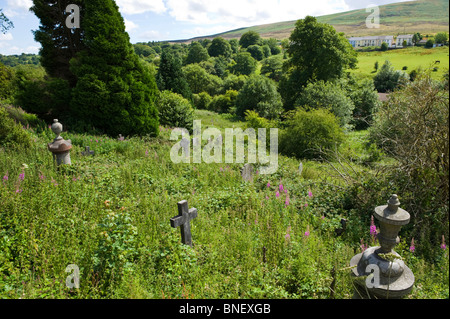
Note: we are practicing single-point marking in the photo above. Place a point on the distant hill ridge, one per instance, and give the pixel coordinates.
(424, 16)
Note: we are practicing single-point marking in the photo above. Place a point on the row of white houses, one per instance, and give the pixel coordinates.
(359, 42)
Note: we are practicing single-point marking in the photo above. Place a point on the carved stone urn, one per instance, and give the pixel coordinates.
(60, 148)
(391, 278)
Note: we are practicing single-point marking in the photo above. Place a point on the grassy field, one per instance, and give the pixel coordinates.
(109, 214)
(412, 57)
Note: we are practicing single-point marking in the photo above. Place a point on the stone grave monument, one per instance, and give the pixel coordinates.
(183, 220)
(391, 278)
(60, 148)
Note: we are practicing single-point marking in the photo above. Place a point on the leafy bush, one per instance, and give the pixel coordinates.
(328, 95)
(174, 110)
(223, 103)
(11, 133)
(245, 64)
(388, 79)
(310, 131)
(201, 81)
(259, 94)
(256, 51)
(366, 101)
(117, 246)
(412, 127)
(201, 100)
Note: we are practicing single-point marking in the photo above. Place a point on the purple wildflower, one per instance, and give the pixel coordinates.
(443, 246)
(22, 176)
(281, 187)
(373, 228)
(412, 248)
(363, 246)
(306, 205)
(5, 178)
(277, 194)
(286, 203)
(268, 185)
(307, 231)
(310, 194)
(287, 237)
(18, 191)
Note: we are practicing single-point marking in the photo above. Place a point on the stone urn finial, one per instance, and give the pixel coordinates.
(394, 278)
(57, 128)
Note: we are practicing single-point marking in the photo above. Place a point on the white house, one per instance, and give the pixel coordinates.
(404, 37)
(369, 41)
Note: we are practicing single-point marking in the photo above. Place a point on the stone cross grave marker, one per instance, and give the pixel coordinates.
(247, 172)
(300, 168)
(87, 152)
(183, 220)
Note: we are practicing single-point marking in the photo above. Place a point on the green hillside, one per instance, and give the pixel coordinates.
(424, 16)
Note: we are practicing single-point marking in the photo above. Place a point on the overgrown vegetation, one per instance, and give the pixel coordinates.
(278, 236)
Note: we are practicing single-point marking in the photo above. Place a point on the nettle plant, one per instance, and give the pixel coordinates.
(117, 246)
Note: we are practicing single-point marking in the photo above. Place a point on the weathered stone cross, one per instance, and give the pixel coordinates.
(183, 220)
(87, 152)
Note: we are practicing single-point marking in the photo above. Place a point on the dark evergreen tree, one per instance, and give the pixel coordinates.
(115, 92)
(59, 43)
(170, 76)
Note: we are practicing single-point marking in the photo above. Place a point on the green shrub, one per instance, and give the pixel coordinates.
(174, 110)
(308, 132)
(223, 103)
(11, 133)
(201, 101)
(259, 94)
(329, 95)
(388, 79)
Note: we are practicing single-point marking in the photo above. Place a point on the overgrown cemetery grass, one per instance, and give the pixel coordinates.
(109, 214)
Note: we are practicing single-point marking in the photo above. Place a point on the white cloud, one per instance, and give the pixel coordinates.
(17, 7)
(249, 12)
(141, 6)
(6, 37)
(130, 25)
(153, 35)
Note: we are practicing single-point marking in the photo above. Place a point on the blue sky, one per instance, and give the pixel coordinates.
(156, 20)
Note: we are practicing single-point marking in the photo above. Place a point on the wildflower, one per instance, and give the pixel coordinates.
(306, 205)
(107, 203)
(221, 169)
(74, 179)
(412, 248)
(373, 228)
(277, 194)
(363, 246)
(18, 191)
(310, 194)
(323, 217)
(146, 153)
(267, 197)
(281, 187)
(41, 177)
(307, 231)
(5, 178)
(268, 185)
(288, 236)
(286, 203)
(24, 166)
(22, 176)
(443, 246)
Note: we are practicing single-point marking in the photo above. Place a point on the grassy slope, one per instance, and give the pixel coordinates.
(55, 221)
(425, 16)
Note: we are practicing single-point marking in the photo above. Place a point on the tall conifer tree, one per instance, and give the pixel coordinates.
(114, 91)
(59, 43)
